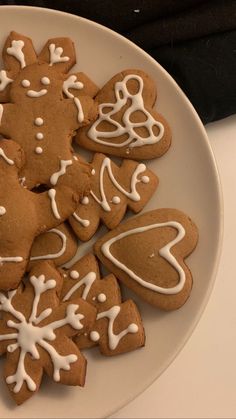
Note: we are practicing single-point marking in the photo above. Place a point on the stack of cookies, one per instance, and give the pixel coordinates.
(50, 197)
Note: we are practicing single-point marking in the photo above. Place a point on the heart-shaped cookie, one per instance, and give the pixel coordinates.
(147, 254)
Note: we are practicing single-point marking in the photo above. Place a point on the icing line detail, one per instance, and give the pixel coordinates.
(164, 252)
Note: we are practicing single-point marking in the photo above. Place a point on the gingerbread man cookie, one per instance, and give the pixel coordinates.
(118, 327)
(148, 254)
(36, 332)
(24, 214)
(58, 245)
(127, 125)
(113, 189)
(46, 105)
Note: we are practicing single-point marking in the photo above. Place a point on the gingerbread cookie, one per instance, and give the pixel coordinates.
(113, 189)
(127, 125)
(36, 333)
(58, 245)
(46, 105)
(24, 214)
(148, 254)
(118, 327)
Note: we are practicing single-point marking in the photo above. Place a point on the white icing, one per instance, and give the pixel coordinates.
(116, 200)
(111, 315)
(64, 164)
(71, 83)
(93, 172)
(4, 80)
(83, 222)
(127, 127)
(87, 281)
(35, 93)
(38, 121)
(14, 259)
(28, 336)
(56, 55)
(164, 252)
(133, 194)
(101, 298)
(38, 150)
(85, 200)
(16, 50)
(1, 112)
(45, 81)
(52, 196)
(74, 274)
(7, 160)
(80, 116)
(22, 181)
(94, 336)
(145, 179)
(39, 136)
(54, 255)
(25, 83)
(2, 211)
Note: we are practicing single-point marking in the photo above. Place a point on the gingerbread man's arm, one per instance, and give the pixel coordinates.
(78, 84)
(80, 110)
(7, 117)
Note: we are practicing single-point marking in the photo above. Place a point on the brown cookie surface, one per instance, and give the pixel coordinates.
(58, 245)
(127, 125)
(45, 105)
(113, 189)
(36, 331)
(118, 327)
(25, 214)
(148, 254)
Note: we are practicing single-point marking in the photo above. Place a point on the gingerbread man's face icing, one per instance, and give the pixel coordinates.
(36, 81)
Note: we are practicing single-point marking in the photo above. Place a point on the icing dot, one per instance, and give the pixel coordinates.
(25, 83)
(116, 199)
(2, 210)
(101, 298)
(75, 157)
(38, 121)
(45, 81)
(93, 172)
(39, 136)
(94, 336)
(145, 179)
(86, 223)
(85, 200)
(74, 274)
(132, 328)
(38, 150)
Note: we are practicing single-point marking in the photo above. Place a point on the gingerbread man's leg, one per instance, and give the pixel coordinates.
(58, 203)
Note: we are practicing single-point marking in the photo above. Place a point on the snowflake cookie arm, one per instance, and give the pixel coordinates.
(7, 336)
(64, 362)
(22, 374)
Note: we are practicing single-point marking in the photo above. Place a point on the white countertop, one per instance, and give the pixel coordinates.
(201, 382)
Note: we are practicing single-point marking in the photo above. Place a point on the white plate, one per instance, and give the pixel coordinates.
(188, 181)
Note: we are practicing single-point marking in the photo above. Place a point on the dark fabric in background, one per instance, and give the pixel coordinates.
(194, 40)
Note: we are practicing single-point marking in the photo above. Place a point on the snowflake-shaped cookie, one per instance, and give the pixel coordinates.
(36, 332)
